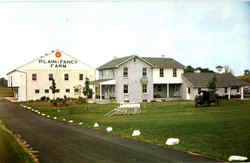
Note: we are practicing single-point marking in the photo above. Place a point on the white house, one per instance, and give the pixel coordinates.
(33, 80)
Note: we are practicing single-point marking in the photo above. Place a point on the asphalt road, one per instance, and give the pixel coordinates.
(61, 143)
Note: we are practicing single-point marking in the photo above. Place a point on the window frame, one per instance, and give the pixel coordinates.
(125, 88)
(174, 72)
(66, 77)
(144, 71)
(37, 91)
(144, 88)
(51, 76)
(34, 77)
(125, 72)
(161, 73)
(81, 77)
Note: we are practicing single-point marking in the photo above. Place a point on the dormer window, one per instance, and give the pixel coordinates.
(134, 59)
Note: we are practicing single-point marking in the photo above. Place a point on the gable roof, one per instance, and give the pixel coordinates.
(154, 62)
(201, 80)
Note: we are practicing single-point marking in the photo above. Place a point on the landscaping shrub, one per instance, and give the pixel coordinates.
(43, 98)
(81, 100)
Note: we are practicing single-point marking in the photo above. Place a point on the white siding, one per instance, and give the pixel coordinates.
(168, 76)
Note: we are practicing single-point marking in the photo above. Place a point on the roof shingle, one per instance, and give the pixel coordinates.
(222, 80)
(156, 62)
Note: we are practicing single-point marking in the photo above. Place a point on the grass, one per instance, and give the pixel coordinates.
(217, 131)
(12, 150)
(6, 92)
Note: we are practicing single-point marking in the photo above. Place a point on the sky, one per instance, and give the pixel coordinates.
(204, 33)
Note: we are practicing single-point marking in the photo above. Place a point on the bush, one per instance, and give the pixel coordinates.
(43, 98)
(81, 100)
(163, 100)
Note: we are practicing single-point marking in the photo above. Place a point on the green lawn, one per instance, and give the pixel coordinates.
(11, 150)
(217, 131)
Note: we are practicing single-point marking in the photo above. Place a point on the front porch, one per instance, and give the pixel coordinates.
(167, 91)
(105, 90)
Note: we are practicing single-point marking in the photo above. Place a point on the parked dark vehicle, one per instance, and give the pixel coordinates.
(206, 98)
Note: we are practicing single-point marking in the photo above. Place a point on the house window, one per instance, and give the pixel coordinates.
(57, 90)
(36, 91)
(189, 90)
(144, 71)
(226, 90)
(50, 76)
(161, 72)
(125, 72)
(76, 90)
(238, 89)
(80, 76)
(125, 88)
(46, 91)
(144, 88)
(134, 59)
(66, 76)
(174, 72)
(34, 77)
(67, 90)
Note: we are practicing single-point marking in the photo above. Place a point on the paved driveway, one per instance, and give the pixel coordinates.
(61, 143)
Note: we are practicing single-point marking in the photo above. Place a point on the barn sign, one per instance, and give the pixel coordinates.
(57, 63)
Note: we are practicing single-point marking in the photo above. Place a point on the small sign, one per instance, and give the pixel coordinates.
(58, 54)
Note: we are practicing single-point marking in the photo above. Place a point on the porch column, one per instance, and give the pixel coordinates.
(167, 90)
(100, 91)
(241, 93)
(229, 93)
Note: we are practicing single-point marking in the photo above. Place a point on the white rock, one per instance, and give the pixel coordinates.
(59, 111)
(48, 116)
(55, 118)
(172, 141)
(43, 114)
(109, 129)
(80, 123)
(38, 113)
(96, 125)
(71, 121)
(64, 119)
(136, 133)
(29, 108)
(237, 158)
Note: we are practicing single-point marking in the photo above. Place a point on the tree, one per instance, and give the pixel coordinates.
(246, 72)
(212, 84)
(189, 69)
(86, 90)
(3, 82)
(53, 87)
(228, 70)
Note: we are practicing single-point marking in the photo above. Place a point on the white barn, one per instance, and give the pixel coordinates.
(33, 80)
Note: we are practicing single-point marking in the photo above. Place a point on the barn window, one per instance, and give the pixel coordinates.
(34, 77)
(189, 90)
(66, 76)
(36, 91)
(50, 76)
(80, 76)
(46, 91)
(226, 90)
(67, 90)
